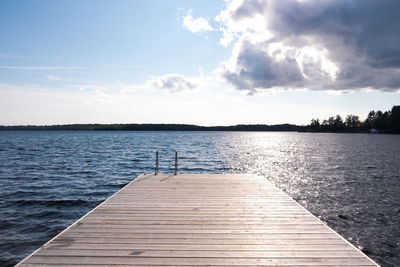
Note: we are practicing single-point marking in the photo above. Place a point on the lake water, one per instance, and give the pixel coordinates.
(50, 179)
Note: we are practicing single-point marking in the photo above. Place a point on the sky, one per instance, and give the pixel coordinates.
(203, 62)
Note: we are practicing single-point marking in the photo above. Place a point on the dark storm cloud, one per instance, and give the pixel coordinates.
(371, 27)
(263, 71)
(362, 37)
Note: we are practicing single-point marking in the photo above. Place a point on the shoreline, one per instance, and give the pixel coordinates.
(187, 128)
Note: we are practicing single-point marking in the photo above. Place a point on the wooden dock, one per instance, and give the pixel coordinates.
(198, 220)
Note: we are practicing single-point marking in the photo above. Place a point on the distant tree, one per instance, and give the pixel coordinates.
(394, 120)
(315, 124)
(378, 119)
(334, 123)
(371, 118)
(352, 121)
(381, 120)
(338, 123)
(331, 121)
(388, 121)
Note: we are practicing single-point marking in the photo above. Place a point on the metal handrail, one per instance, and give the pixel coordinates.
(156, 170)
(157, 163)
(176, 163)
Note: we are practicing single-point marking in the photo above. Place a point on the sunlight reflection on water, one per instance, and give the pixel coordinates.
(350, 181)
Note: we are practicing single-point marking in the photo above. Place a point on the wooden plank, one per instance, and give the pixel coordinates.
(199, 241)
(269, 236)
(206, 223)
(154, 261)
(197, 253)
(290, 225)
(198, 220)
(189, 247)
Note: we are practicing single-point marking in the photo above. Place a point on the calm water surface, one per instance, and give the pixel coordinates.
(50, 179)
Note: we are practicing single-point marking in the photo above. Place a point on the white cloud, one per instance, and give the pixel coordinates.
(239, 16)
(40, 67)
(173, 82)
(195, 25)
(53, 78)
(313, 44)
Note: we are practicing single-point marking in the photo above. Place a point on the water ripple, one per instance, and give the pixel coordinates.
(50, 179)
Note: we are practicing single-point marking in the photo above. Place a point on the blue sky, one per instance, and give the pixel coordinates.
(99, 35)
(198, 62)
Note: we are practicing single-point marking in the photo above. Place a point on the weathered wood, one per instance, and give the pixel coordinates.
(189, 247)
(200, 253)
(199, 241)
(198, 220)
(190, 261)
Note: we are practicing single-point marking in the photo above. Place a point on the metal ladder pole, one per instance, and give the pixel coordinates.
(176, 163)
(156, 169)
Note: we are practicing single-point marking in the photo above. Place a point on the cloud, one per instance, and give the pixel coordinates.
(95, 67)
(311, 44)
(40, 67)
(139, 67)
(253, 68)
(195, 25)
(12, 56)
(53, 78)
(173, 83)
(21, 105)
(239, 17)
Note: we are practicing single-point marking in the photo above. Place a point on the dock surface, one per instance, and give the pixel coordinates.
(198, 220)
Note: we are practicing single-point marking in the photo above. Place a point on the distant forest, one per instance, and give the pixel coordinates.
(384, 122)
(151, 127)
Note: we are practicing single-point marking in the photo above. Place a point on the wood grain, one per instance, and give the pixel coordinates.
(198, 220)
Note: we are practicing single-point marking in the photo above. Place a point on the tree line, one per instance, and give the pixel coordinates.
(151, 127)
(386, 122)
